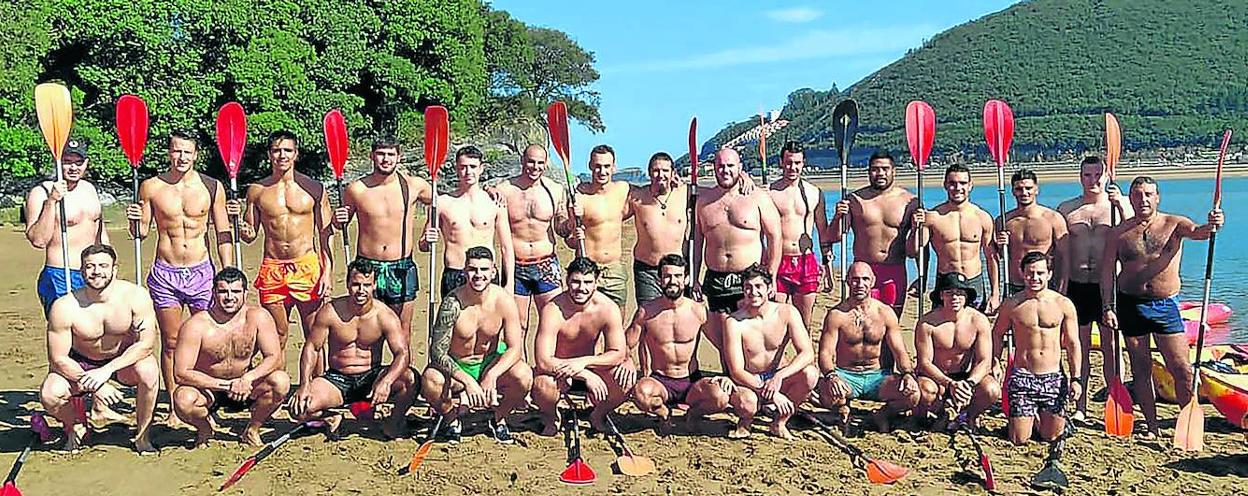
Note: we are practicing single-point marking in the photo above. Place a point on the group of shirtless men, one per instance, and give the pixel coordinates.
(499, 253)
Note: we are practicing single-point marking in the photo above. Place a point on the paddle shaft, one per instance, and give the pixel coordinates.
(433, 255)
(1005, 251)
(238, 247)
(21, 460)
(1118, 337)
(922, 255)
(346, 237)
(60, 176)
(844, 227)
(138, 242)
(1204, 310)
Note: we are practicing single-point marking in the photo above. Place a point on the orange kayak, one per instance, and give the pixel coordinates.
(1228, 392)
(1163, 382)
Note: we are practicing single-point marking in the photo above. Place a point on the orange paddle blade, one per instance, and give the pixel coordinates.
(55, 109)
(1113, 143)
(1217, 180)
(1119, 414)
(419, 456)
(1189, 428)
(882, 472)
(635, 465)
(578, 473)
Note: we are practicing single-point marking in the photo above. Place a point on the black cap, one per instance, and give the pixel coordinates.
(952, 280)
(75, 146)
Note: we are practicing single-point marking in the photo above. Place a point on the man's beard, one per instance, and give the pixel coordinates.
(673, 292)
(107, 282)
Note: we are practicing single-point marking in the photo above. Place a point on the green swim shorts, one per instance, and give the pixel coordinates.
(475, 369)
(396, 279)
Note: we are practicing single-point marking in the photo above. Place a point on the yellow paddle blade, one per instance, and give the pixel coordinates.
(56, 114)
(1189, 428)
(419, 456)
(635, 465)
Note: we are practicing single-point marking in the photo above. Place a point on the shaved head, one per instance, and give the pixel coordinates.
(860, 279)
(727, 168)
(535, 149)
(727, 155)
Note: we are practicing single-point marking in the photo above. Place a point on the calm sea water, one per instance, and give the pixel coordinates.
(1189, 197)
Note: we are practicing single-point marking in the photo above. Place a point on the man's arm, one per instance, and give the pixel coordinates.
(632, 334)
(735, 358)
(221, 223)
(615, 348)
(800, 337)
(268, 343)
(562, 218)
(1002, 326)
(988, 247)
(925, 350)
(827, 342)
(143, 316)
(513, 337)
(249, 222)
(549, 318)
(892, 333)
(318, 337)
(919, 235)
(398, 341)
(40, 218)
(770, 218)
(981, 360)
(1070, 339)
(61, 340)
(190, 337)
(421, 243)
(507, 251)
(1187, 228)
(424, 190)
(440, 341)
(325, 231)
(1109, 269)
(1061, 262)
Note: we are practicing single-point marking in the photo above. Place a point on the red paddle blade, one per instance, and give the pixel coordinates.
(990, 481)
(1119, 417)
(578, 473)
(693, 152)
(362, 410)
(882, 472)
(132, 127)
(998, 130)
(1217, 180)
(889, 292)
(920, 131)
(436, 135)
(1005, 398)
(238, 474)
(10, 489)
(557, 124)
(336, 141)
(231, 136)
(1113, 144)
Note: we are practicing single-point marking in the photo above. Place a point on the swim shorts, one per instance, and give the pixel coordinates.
(475, 369)
(87, 364)
(890, 284)
(677, 387)
(51, 285)
(539, 276)
(1031, 394)
(646, 285)
(221, 401)
(722, 290)
(865, 384)
(798, 274)
(354, 387)
(613, 282)
(173, 286)
(1087, 300)
(286, 281)
(396, 280)
(1140, 316)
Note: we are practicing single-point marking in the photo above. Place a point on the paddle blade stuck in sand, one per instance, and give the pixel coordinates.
(1050, 478)
(423, 451)
(634, 465)
(578, 473)
(1189, 427)
(882, 472)
(990, 481)
(1119, 418)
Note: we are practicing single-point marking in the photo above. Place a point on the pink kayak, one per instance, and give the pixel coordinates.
(1218, 312)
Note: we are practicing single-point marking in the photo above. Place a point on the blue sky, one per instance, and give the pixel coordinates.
(662, 62)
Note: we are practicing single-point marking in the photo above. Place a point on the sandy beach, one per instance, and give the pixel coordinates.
(687, 464)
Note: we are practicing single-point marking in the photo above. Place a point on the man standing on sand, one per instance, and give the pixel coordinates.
(352, 329)
(1032, 227)
(535, 208)
(730, 225)
(98, 332)
(755, 339)
(959, 232)
(1088, 218)
(387, 234)
(879, 215)
(954, 347)
(602, 206)
(182, 202)
(82, 216)
(669, 328)
(801, 209)
(475, 351)
(469, 217)
(293, 210)
(1149, 246)
(1044, 325)
(855, 333)
(568, 331)
(661, 222)
(213, 362)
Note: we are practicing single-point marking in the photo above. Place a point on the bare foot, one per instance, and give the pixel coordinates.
(781, 430)
(739, 433)
(203, 435)
(250, 437)
(144, 446)
(174, 423)
(102, 415)
(74, 437)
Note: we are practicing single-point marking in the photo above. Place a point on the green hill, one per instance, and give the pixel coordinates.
(1170, 70)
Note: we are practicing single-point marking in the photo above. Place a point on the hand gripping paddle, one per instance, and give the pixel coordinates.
(920, 134)
(437, 124)
(557, 124)
(231, 140)
(56, 116)
(1119, 410)
(39, 433)
(336, 146)
(999, 133)
(132, 133)
(844, 128)
(268, 449)
(1189, 428)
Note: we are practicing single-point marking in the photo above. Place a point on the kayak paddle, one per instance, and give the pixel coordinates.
(55, 110)
(39, 433)
(845, 127)
(437, 123)
(878, 471)
(960, 424)
(336, 146)
(426, 446)
(1119, 409)
(557, 124)
(1051, 477)
(630, 463)
(231, 140)
(255, 459)
(132, 133)
(999, 133)
(692, 200)
(578, 472)
(920, 134)
(1189, 428)
(762, 144)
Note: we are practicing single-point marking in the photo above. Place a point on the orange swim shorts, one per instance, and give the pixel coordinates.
(280, 281)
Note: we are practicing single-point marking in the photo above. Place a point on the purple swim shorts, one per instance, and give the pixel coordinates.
(173, 286)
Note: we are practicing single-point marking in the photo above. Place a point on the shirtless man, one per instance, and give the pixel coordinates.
(293, 210)
(470, 217)
(878, 215)
(1032, 227)
(602, 206)
(353, 329)
(855, 333)
(755, 339)
(568, 331)
(475, 351)
(213, 362)
(1044, 325)
(661, 220)
(1149, 246)
(1088, 218)
(182, 202)
(98, 332)
(959, 232)
(954, 347)
(82, 215)
(385, 201)
(800, 206)
(536, 215)
(669, 328)
(730, 225)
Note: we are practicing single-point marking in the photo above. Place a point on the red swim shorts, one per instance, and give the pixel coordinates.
(890, 283)
(798, 274)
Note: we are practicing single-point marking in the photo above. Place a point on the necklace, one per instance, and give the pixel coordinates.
(663, 202)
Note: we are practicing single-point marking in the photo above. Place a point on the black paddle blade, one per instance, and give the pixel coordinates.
(845, 127)
(1051, 478)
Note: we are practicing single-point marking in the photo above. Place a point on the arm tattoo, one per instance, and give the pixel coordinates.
(440, 337)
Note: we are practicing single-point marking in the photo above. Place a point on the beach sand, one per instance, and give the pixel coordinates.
(687, 464)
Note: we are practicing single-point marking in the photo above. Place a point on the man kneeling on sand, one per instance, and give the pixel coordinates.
(212, 362)
(755, 338)
(474, 351)
(854, 334)
(954, 347)
(355, 327)
(568, 331)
